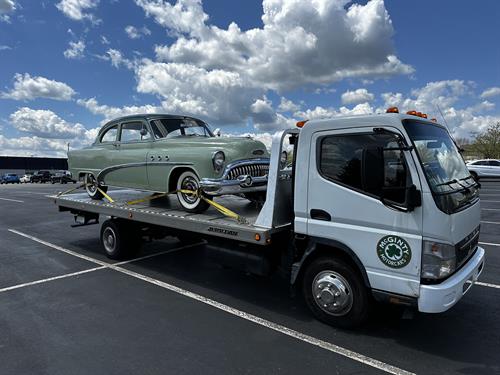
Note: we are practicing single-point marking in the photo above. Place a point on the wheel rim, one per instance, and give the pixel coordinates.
(190, 183)
(90, 184)
(109, 239)
(332, 293)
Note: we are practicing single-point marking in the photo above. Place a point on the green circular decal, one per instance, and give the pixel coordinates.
(394, 251)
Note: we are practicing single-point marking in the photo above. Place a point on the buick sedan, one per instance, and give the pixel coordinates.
(168, 153)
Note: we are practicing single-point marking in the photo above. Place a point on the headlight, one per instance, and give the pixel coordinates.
(218, 160)
(438, 260)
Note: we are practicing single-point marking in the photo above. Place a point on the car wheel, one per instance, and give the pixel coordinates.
(335, 293)
(91, 187)
(188, 180)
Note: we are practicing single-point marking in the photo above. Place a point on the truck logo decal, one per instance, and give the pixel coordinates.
(223, 231)
(394, 251)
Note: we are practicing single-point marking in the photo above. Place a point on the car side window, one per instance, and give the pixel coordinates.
(110, 135)
(134, 132)
(494, 163)
(155, 126)
(340, 161)
(482, 162)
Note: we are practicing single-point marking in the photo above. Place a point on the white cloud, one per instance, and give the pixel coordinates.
(5, 48)
(287, 105)
(27, 87)
(6, 7)
(136, 33)
(110, 113)
(104, 40)
(78, 9)
(357, 96)
(116, 58)
(75, 50)
(491, 92)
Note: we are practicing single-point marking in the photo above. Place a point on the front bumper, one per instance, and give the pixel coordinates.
(253, 178)
(440, 297)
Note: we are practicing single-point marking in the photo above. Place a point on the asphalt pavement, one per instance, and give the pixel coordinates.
(67, 309)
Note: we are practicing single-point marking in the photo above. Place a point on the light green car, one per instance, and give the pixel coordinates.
(166, 153)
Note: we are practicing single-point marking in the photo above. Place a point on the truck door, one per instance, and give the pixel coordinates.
(366, 214)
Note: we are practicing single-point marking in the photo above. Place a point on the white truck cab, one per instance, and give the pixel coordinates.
(394, 194)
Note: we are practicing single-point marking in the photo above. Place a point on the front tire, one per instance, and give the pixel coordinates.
(335, 293)
(91, 187)
(188, 180)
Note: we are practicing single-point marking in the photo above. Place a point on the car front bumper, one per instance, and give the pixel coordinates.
(440, 297)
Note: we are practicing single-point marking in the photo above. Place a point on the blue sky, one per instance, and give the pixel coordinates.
(244, 66)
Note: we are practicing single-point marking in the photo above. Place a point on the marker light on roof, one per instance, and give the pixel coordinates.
(300, 124)
(392, 110)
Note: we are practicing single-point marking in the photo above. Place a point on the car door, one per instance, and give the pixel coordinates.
(344, 208)
(159, 164)
(494, 168)
(129, 162)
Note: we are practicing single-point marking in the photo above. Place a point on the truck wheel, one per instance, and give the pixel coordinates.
(335, 293)
(119, 239)
(91, 187)
(190, 202)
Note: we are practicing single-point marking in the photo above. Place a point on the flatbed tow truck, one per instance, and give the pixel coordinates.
(370, 208)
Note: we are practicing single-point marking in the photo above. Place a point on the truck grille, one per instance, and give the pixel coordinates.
(466, 247)
(254, 170)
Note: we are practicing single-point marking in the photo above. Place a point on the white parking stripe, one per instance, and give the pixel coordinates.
(241, 314)
(489, 243)
(485, 200)
(12, 200)
(490, 222)
(490, 209)
(487, 284)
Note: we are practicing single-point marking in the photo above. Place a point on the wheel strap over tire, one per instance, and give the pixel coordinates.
(108, 198)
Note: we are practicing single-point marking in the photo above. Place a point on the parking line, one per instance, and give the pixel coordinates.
(484, 200)
(241, 314)
(12, 200)
(490, 222)
(490, 209)
(487, 284)
(489, 243)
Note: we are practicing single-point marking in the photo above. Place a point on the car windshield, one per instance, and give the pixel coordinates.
(448, 177)
(184, 127)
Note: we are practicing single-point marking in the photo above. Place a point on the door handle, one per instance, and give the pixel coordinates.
(320, 215)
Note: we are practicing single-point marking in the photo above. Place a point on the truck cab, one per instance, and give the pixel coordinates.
(391, 196)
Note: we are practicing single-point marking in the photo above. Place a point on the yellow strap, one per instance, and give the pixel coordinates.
(105, 195)
(70, 190)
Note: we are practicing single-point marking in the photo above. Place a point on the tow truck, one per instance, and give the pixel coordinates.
(358, 210)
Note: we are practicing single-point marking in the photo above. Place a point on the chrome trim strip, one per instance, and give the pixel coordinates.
(108, 170)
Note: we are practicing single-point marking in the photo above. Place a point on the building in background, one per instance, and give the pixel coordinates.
(21, 165)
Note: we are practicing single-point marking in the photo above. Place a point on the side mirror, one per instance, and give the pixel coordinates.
(217, 132)
(413, 197)
(144, 132)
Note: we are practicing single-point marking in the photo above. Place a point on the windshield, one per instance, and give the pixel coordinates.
(184, 127)
(449, 179)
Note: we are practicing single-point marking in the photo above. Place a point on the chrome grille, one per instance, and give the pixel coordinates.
(465, 248)
(254, 170)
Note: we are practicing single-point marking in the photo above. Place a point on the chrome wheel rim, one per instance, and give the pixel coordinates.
(90, 184)
(190, 183)
(109, 239)
(332, 293)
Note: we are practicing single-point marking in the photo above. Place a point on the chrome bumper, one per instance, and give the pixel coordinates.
(244, 183)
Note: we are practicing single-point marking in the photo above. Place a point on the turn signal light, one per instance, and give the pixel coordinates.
(301, 123)
(424, 115)
(392, 110)
(413, 113)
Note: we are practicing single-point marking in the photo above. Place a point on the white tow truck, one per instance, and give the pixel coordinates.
(367, 208)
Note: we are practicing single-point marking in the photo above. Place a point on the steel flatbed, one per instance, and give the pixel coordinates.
(166, 212)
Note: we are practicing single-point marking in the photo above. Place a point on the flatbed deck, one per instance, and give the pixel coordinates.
(166, 212)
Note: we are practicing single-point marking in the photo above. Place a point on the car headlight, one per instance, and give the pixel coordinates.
(438, 260)
(218, 160)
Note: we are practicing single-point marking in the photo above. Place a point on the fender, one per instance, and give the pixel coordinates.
(335, 246)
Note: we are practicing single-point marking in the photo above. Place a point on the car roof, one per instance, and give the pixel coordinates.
(149, 116)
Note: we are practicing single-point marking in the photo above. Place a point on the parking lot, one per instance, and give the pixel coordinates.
(67, 309)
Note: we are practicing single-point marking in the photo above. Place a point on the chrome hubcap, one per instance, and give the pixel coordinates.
(91, 184)
(189, 183)
(109, 240)
(332, 293)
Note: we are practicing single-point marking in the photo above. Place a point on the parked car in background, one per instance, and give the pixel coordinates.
(164, 153)
(41, 177)
(484, 168)
(10, 178)
(26, 178)
(62, 177)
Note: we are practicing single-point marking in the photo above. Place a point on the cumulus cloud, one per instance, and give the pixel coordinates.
(27, 87)
(78, 10)
(357, 96)
(6, 7)
(104, 40)
(75, 50)
(136, 33)
(44, 124)
(117, 59)
(287, 105)
(109, 112)
(491, 92)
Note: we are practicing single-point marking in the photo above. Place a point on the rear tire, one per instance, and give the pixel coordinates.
(335, 293)
(120, 239)
(91, 187)
(188, 180)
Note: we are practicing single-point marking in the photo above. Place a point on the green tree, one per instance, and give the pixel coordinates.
(487, 144)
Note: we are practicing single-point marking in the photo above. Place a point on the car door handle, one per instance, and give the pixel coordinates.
(320, 215)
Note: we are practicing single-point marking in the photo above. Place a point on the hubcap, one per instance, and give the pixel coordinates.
(109, 239)
(91, 184)
(332, 293)
(189, 183)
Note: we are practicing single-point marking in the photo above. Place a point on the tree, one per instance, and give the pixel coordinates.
(487, 143)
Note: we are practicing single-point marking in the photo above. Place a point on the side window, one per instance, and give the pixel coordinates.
(134, 132)
(340, 161)
(155, 126)
(109, 135)
(494, 163)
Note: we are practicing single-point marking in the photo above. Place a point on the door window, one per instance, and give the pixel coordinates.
(134, 132)
(494, 163)
(340, 160)
(110, 135)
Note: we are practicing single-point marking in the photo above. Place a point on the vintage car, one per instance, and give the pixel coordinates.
(168, 153)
